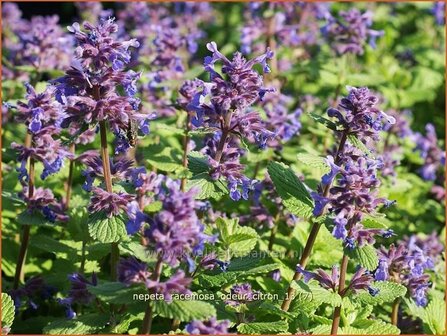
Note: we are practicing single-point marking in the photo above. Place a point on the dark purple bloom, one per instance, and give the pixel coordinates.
(431, 153)
(438, 11)
(176, 230)
(112, 204)
(136, 218)
(43, 201)
(358, 114)
(78, 293)
(131, 270)
(119, 168)
(210, 327)
(176, 284)
(34, 290)
(241, 294)
(350, 32)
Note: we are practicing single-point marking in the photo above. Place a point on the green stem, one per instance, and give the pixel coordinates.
(185, 149)
(70, 178)
(395, 312)
(313, 232)
(19, 274)
(341, 289)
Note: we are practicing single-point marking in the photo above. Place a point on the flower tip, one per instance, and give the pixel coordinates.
(211, 46)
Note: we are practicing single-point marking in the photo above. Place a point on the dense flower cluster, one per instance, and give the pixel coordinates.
(132, 271)
(89, 89)
(222, 105)
(176, 231)
(210, 327)
(358, 114)
(78, 293)
(408, 263)
(294, 24)
(167, 33)
(350, 32)
(361, 279)
(433, 156)
(34, 290)
(39, 43)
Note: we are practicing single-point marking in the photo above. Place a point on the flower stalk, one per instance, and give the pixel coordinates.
(148, 315)
(19, 274)
(314, 231)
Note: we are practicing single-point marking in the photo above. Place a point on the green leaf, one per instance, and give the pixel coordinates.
(208, 188)
(116, 292)
(83, 325)
(218, 280)
(376, 222)
(226, 227)
(105, 229)
(314, 161)
(168, 160)
(356, 142)
(388, 292)
(8, 310)
(294, 195)
(184, 310)
(262, 328)
(242, 241)
(365, 256)
(326, 122)
(382, 328)
(311, 291)
(198, 163)
(434, 316)
(34, 218)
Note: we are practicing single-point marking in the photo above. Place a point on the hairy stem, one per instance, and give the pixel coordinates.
(19, 274)
(341, 288)
(395, 312)
(70, 179)
(185, 148)
(314, 230)
(148, 315)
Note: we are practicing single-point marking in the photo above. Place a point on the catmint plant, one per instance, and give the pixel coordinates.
(221, 104)
(89, 92)
(42, 115)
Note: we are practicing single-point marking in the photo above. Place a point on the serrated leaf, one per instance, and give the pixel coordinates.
(168, 160)
(388, 292)
(242, 241)
(198, 163)
(365, 256)
(311, 291)
(434, 316)
(356, 142)
(218, 280)
(226, 226)
(154, 206)
(294, 195)
(382, 328)
(314, 161)
(262, 328)
(83, 325)
(105, 229)
(208, 188)
(184, 310)
(8, 310)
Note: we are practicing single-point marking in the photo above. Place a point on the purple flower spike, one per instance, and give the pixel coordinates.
(210, 327)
